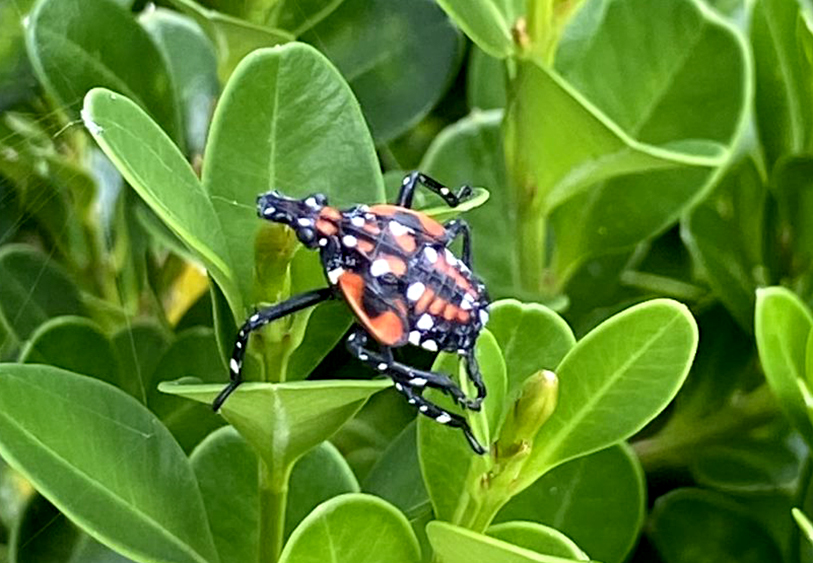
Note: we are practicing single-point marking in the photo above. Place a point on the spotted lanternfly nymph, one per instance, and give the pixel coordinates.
(393, 267)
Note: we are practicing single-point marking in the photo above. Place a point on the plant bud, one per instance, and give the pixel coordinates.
(533, 406)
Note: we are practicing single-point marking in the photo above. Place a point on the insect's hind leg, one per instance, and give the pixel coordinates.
(411, 181)
(476, 377)
(259, 320)
(459, 228)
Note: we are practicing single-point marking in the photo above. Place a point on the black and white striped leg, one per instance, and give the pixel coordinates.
(433, 411)
(459, 228)
(412, 181)
(473, 369)
(404, 375)
(259, 320)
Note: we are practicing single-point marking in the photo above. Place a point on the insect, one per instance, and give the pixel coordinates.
(393, 267)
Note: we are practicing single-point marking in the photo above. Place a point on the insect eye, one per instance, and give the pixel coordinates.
(306, 235)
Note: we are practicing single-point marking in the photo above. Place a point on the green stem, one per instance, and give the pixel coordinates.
(531, 247)
(273, 502)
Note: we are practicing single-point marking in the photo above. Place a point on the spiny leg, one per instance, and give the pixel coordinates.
(459, 228)
(473, 370)
(412, 181)
(258, 320)
(404, 375)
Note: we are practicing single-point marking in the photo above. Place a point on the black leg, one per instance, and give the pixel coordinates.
(459, 228)
(473, 369)
(411, 382)
(258, 320)
(413, 180)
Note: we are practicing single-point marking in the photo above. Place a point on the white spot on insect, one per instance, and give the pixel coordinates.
(364, 208)
(352, 337)
(382, 366)
(322, 242)
(450, 258)
(349, 241)
(238, 344)
(364, 357)
(425, 322)
(465, 304)
(431, 254)
(305, 222)
(468, 297)
(269, 210)
(430, 345)
(398, 229)
(411, 401)
(406, 180)
(444, 191)
(484, 317)
(235, 367)
(462, 352)
(415, 290)
(379, 267)
(311, 202)
(399, 386)
(423, 408)
(417, 381)
(357, 221)
(443, 418)
(334, 275)
(415, 337)
(254, 318)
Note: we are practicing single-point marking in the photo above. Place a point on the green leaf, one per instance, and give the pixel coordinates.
(804, 523)
(331, 533)
(76, 45)
(154, 166)
(366, 436)
(725, 235)
(17, 81)
(44, 535)
(782, 327)
(791, 186)
(78, 345)
(399, 59)
(470, 152)
(327, 324)
(43, 411)
(140, 347)
(192, 60)
(447, 462)
(719, 529)
(226, 468)
(458, 545)
(781, 40)
(486, 81)
(305, 412)
(34, 289)
(531, 337)
(291, 121)
(488, 23)
(234, 38)
(598, 500)
(643, 353)
(538, 538)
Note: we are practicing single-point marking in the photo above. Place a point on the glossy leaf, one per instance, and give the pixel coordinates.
(332, 531)
(140, 347)
(486, 22)
(93, 481)
(447, 462)
(226, 468)
(234, 38)
(597, 500)
(399, 58)
(781, 39)
(78, 345)
(290, 118)
(486, 81)
(531, 337)
(137, 146)
(458, 545)
(298, 16)
(192, 60)
(17, 81)
(782, 327)
(644, 352)
(538, 538)
(77, 45)
(804, 524)
(34, 289)
(305, 412)
(720, 530)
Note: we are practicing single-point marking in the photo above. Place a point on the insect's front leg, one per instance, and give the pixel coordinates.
(259, 320)
(412, 181)
(459, 228)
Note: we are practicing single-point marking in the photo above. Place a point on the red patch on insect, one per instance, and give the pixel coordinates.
(387, 327)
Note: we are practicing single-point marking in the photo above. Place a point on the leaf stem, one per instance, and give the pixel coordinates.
(531, 241)
(273, 503)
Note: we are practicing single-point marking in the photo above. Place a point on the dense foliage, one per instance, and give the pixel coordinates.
(641, 218)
